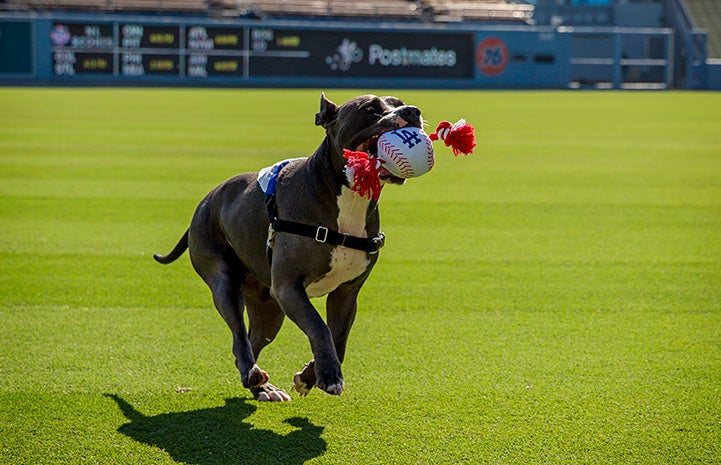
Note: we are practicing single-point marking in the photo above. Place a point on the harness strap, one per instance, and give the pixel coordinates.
(321, 234)
(324, 235)
(267, 179)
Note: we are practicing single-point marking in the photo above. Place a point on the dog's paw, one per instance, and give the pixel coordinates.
(269, 393)
(300, 387)
(334, 389)
(256, 377)
(329, 379)
(304, 380)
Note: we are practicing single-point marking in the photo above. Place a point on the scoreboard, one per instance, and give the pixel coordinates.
(198, 51)
(82, 48)
(134, 49)
(112, 49)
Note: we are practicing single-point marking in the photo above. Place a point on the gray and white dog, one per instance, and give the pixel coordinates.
(324, 237)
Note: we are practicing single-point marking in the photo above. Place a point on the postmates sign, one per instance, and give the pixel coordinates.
(492, 56)
(360, 54)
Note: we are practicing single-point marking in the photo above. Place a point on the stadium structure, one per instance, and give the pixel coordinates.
(495, 44)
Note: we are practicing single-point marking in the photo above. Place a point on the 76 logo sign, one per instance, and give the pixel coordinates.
(492, 56)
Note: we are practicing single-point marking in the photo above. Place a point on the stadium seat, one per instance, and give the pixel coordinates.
(707, 15)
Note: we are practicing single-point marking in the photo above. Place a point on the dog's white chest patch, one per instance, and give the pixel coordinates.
(345, 264)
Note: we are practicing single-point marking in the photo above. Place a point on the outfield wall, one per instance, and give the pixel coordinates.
(83, 49)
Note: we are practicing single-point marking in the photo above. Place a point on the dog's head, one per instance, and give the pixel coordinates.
(357, 124)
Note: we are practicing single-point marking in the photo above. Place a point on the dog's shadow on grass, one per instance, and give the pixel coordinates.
(219, 435)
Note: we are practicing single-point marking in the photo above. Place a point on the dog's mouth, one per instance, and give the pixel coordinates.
(370, 146)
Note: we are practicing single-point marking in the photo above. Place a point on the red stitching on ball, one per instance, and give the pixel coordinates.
(398, 158)
(429, 153)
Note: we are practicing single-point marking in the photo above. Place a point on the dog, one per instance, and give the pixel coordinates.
(313, 235)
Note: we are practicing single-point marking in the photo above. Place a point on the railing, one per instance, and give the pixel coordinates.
(640, 58)
(690, 48)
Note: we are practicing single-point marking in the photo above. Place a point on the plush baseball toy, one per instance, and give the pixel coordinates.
(406, 153)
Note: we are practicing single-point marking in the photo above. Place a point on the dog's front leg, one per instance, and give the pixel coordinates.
(297, 306)
(341, 306)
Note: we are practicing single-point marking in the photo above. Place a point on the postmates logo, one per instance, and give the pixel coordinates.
(349, 52)
(344, 56)
(492, 56)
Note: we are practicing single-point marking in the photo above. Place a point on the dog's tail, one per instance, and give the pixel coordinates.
(180, 247)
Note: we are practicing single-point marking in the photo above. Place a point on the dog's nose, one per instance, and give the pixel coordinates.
(410, 113)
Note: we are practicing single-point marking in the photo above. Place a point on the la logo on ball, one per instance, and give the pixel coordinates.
(406, 152)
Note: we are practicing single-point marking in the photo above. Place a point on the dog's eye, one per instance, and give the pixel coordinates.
(371, 109)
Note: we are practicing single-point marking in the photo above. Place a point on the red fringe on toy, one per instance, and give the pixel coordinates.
(460, 137)
(365, 171)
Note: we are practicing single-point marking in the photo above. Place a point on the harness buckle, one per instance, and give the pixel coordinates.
(321, 234)
(379, 242)
(269, 242)
(271, 236)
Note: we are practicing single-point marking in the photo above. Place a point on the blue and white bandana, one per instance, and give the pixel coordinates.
(268, 177)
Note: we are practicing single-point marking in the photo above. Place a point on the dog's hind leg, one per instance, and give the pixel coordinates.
(225, 276)
(265, 320)
(264, 314)
(228, 299)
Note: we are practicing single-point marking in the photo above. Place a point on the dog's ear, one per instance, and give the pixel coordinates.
(328, 112)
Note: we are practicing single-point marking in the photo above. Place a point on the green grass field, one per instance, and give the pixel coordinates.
(553, 299)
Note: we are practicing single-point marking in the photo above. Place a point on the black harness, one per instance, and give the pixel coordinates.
(321, 234)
